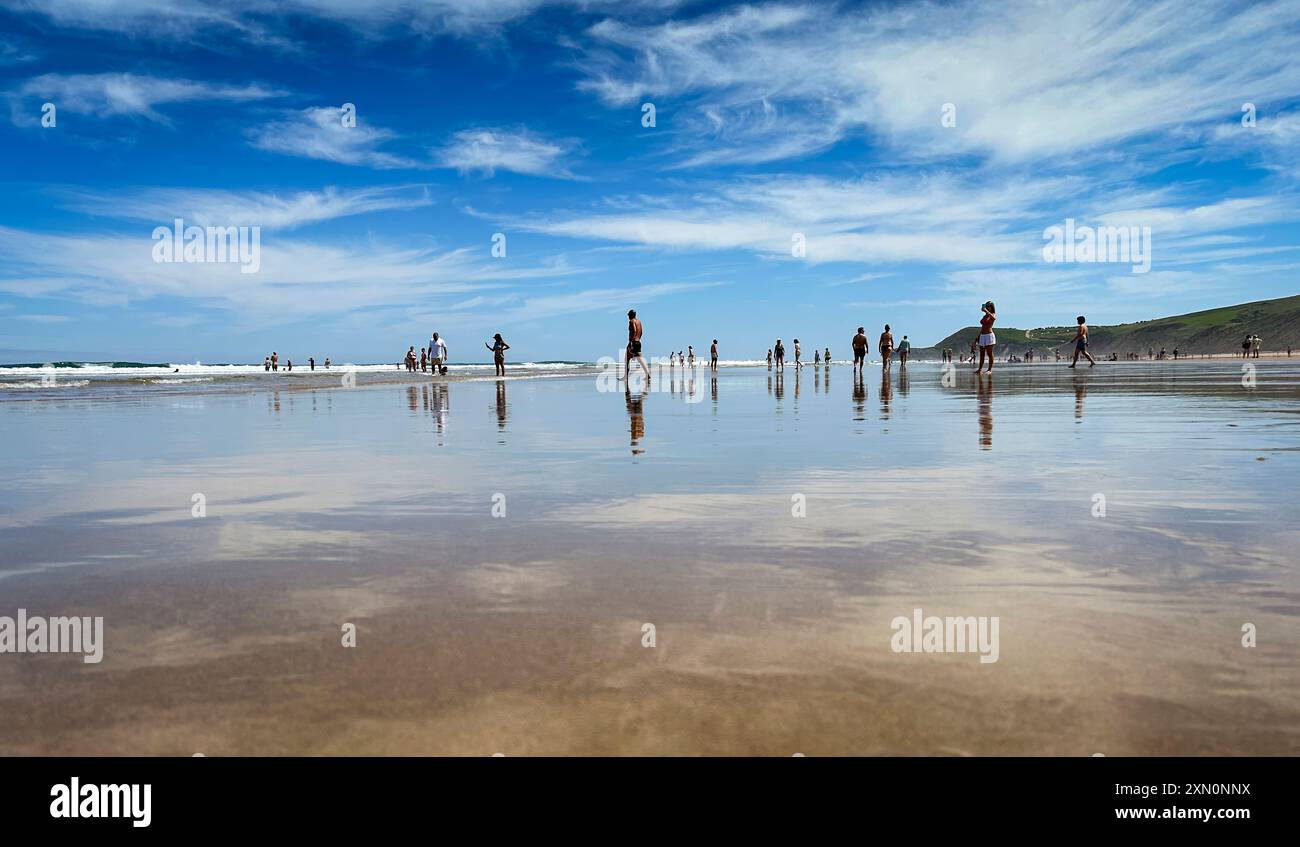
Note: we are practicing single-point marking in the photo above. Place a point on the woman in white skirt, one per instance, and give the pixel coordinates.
(987, 339)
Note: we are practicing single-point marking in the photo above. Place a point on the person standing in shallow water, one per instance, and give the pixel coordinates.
(498, 348)
(987, 340)
(886, 346)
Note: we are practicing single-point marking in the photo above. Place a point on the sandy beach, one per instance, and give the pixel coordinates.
(501, 547)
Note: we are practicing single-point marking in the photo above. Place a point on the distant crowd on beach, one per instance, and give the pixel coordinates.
(434, 358)
(272, 362)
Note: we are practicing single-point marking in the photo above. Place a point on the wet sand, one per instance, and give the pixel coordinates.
(522, 634)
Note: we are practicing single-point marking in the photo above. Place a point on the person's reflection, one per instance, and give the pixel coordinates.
(886, 393)
(780, 385)
(769, 383)
(797, 373)
(902, 378)
(817, 381)
(828, 377)
(859, 397)
(1080, 391)
(413, 399)
(273, 402)
(424, 397)
(440, 406)
(502, 409)
(636, 415)
(984, 387)
(713, 389)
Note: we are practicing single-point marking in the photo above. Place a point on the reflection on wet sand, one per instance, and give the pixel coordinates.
(886, 393)
(984, 389)
(636, 418)
(859, 397)
(502, 410)
(521, 635)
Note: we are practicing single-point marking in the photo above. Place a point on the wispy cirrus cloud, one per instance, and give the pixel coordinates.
(1031, 80)
(487, 150)
(892, 218)
(258, 21)
(108, 95)
(297, 276)
(319, 133)
(217, 207)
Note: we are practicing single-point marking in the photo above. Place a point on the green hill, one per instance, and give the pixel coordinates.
(1276, 322)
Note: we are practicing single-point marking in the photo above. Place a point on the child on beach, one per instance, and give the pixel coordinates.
(769, 358)
(1081, 343)
(797, 353)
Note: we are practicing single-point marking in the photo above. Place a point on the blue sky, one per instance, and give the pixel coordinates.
(524, 117)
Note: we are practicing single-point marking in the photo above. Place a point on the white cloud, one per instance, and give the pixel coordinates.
(1030, 80)
(319, 133)
(891, 218)
(255, 20)
(489, 150)
(215, 207)
(297, 277)
(122, 94)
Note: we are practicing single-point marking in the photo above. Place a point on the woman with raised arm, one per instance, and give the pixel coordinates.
(498, 348)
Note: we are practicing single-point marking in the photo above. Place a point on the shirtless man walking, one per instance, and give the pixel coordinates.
(1081, 343)
(634, 331)
(859, 348)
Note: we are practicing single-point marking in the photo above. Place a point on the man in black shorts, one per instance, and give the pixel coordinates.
(859, 348)
(634, 345)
